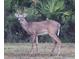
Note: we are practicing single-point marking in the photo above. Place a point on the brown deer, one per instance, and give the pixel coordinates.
(50, 27)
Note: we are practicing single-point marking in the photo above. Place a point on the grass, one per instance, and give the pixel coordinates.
(20, 51)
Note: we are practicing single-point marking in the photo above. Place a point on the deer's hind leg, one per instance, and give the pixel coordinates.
(57, 40)
(54, 45)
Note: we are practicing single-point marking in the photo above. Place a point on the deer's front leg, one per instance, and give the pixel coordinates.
(33, 43)
(37, 44)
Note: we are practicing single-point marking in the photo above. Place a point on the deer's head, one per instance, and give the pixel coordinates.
(20, 15)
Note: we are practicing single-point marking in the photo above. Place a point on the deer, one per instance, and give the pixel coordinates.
(50, 27)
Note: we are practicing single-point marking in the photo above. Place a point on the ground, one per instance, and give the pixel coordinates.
(20, 51)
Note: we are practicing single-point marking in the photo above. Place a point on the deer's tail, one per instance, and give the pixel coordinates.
(58, 32)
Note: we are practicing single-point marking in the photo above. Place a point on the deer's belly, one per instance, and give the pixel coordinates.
(43, 32)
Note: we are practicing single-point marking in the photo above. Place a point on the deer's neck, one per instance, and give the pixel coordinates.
(23, 23)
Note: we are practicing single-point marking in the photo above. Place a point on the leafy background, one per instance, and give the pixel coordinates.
(62, 11)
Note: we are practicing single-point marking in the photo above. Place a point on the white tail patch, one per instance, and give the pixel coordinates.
(58, 32)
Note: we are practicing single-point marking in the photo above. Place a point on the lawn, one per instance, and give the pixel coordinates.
(20, 51)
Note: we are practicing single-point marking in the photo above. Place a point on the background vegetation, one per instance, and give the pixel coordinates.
(62, 11)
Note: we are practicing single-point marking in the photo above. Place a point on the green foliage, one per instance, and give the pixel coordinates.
(50, 7)
(32, 13)
(62, 11)
(7, 4)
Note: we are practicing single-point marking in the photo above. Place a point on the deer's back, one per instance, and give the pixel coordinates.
(45, 24)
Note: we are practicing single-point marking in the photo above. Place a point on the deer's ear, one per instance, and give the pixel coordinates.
(24, 14)
(16, 14)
